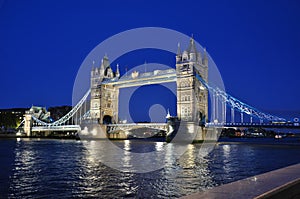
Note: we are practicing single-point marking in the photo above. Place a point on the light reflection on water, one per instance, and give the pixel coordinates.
(55, 168)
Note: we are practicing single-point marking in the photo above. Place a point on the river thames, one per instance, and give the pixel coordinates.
(32, 168)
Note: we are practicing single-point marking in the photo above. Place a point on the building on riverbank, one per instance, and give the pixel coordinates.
(11, 118)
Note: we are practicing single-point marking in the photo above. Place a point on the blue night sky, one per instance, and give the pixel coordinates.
(255, 44)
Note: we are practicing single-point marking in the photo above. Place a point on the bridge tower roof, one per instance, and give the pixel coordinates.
(192, 47)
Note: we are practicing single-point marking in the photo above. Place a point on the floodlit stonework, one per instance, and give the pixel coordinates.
(192, 96)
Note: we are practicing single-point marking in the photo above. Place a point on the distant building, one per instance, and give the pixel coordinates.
(40, 113)
(11, 118)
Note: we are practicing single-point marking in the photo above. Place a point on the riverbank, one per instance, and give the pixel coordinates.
(261, 141)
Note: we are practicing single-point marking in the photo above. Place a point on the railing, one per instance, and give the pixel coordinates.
(66, 117)
(138, 124)
(248, 124)
(57, 128)
(234, 103)
(130, 126)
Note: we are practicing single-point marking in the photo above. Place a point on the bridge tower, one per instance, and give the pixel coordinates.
(95, 94)
(28, 123)
(104, 97)
(192, 96)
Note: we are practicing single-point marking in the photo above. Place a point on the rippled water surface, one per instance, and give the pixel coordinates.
(69, 168)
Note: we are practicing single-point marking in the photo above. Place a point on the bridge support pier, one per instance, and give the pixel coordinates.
(192, 132)
(212, 134)
(117, 136)
(207, 134)
(200, 134)
(28, 123)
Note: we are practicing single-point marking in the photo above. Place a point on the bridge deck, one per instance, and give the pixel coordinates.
(163, 76)
(264, 125)
(131, 126)
(138, 124)
(56, 128)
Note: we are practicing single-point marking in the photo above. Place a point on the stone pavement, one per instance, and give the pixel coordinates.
(281, 183)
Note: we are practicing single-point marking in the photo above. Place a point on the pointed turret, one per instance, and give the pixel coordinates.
(105, 61)
(178, 55)
(192, 50)
(205, 58)
(168, 116)
(192, 46)
(102, 68)
(118, 72)
(178, 49)
(93, 69)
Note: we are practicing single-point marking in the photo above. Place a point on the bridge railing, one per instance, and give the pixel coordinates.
(68, 116)
(248, 124)
(137, 124)
(57, 128)
(236, 104)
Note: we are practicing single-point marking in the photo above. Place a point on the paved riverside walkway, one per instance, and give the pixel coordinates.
(281, 183)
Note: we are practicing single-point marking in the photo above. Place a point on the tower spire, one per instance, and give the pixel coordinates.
(204, 54)
(205, 58)
(192, 46)
(117, 72)
(168, 115)
(102, 68)
(105, 61)
(93, 67)
(178, 49)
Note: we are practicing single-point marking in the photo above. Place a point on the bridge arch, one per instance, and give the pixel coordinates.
(107, 119)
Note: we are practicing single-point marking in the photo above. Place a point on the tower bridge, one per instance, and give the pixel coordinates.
(101, 102)
(105, 85)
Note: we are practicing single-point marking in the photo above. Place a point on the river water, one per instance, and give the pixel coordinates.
(32, 168)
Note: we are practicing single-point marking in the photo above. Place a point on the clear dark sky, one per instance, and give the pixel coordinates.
(255, 44)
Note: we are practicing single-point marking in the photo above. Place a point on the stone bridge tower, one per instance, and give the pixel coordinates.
(28, 123)
(104, 97)
(192, 96)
